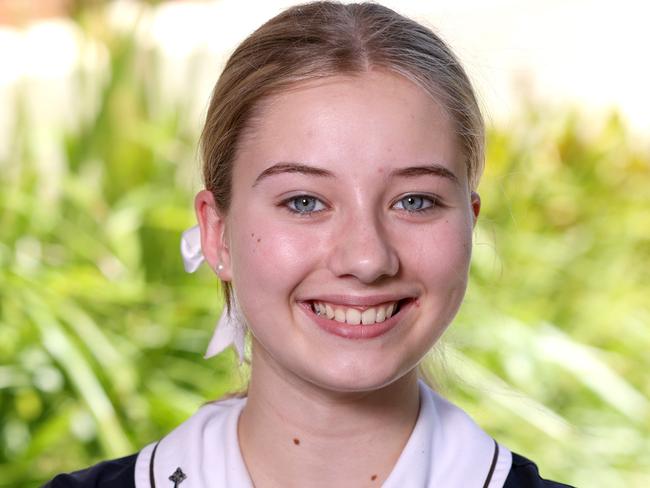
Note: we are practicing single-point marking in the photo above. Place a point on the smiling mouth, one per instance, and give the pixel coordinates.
(357, 316)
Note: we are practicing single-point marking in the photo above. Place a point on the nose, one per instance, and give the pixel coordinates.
(363, 249)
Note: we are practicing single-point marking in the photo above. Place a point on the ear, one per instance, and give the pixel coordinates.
(214, 242)
(475, 200)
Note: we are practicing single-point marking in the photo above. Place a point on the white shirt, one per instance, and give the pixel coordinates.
(446, 449)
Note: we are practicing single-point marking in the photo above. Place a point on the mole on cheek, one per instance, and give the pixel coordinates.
(296, 441)
(259, 239)
(373, 477)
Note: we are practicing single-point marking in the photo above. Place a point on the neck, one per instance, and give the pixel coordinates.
(294, 433)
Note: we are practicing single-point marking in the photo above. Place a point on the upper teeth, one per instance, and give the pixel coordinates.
(355, 316)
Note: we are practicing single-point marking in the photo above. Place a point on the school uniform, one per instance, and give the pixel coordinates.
(446, 449)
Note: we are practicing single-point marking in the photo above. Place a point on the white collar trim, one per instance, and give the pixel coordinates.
(446, 448)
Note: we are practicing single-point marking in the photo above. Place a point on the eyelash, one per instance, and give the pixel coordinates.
(286, 204)
(433, 203)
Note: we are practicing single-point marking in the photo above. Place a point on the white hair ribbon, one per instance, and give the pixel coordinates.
(231, 329)
(191, 249)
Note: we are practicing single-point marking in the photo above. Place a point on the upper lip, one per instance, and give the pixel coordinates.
(359, 301)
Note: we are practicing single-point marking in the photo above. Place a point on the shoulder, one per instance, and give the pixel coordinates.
(117, 473)
(524, 474)
(120, 473)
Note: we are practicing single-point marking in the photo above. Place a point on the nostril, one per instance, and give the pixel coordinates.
(365, 254)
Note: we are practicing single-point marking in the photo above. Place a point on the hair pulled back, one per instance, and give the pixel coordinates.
(322, 39)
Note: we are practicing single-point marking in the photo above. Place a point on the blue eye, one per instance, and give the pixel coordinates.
(304, 204)
(414, 203)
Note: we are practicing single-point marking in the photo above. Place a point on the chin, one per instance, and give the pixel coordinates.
(358, 376)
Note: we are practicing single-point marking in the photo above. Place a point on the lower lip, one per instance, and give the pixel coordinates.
(360, 331)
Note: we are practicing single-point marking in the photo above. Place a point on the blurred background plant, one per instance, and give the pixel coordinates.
(101, 331)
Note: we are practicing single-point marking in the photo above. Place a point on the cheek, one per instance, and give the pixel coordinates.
(440, 255)
(269, 259)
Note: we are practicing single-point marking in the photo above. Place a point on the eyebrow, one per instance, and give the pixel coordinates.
(425, 170)
(305, 169)
(293, 168)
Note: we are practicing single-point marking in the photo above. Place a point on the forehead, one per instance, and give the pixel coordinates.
(374, 120)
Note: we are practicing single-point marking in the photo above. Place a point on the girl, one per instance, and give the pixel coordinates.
(342, 151)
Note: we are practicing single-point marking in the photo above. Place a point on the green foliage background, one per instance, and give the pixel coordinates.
(102, 332)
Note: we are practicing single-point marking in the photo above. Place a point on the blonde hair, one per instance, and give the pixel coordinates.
(322, 39)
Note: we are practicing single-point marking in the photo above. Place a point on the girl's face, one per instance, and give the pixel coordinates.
(350, 204)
